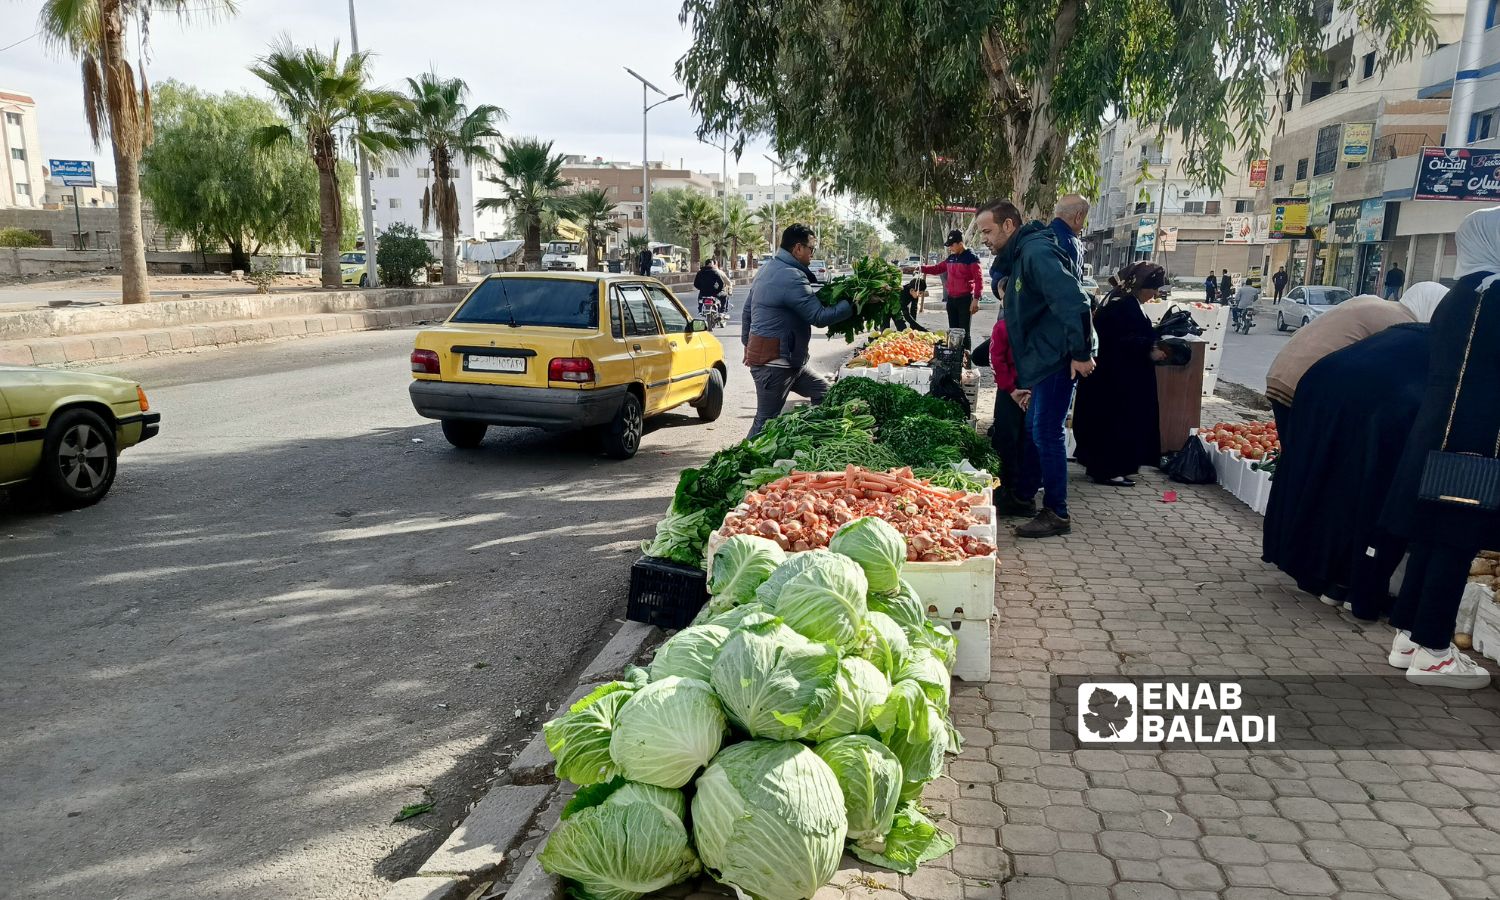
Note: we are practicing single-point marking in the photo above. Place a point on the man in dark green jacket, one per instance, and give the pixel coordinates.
(1047, 317)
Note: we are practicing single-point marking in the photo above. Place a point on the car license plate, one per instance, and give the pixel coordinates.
(516, 364)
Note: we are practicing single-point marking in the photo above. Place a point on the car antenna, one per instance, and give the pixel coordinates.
(509, 310)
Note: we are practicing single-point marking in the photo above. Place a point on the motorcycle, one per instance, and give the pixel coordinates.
(711, 308)
(1244, 319)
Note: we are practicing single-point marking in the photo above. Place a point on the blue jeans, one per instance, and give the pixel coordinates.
(1393, 292)
(1044, 460)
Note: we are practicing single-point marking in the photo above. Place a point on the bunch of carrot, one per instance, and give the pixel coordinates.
(803, 510)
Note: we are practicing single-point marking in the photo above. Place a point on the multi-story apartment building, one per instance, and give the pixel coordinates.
(1146, 197)
(623, 181)
(1341, 133)
(398, 183)
(23, 170)
(758, 195)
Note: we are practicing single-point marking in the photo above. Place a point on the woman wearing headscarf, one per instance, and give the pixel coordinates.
(1459, 415)
(1115, 418)
(1422, 299)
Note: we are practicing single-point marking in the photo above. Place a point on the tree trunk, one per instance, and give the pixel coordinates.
(697, 251)
(238, 258)
(125, 138)
(328, 214)
(531, 253)
(734, 255)
(450, 253)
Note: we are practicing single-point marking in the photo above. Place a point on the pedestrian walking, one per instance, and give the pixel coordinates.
(1047, 322)
(1210, 288)
(1395, 280)
(1278, 281)
(963, 283)
(1069, 217)
(1115, 417)
(1226, 288)
(1449, 519)
(643, 261)
(777, 323)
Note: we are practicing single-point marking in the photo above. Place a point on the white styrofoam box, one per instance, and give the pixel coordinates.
(1232, 473)
(1475, 596)
(960, 595)
(1486, 628)
(1257, 490)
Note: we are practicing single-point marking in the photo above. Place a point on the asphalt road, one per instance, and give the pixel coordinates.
(297, 609)
(1247, 357)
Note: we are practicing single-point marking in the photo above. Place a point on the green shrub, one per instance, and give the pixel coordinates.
(19, 237)
(401, 254)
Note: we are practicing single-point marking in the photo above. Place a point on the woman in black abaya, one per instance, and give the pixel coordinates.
(1115, 419)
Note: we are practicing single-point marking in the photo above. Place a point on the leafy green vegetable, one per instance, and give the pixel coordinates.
(622, 849)
(769, 819)
(910, 725)
(904, 606)
(681, 537)
(923, 440)
(891, 403)
(412, 810)
(884, 643)
(874, 287)
(870, 776)
(619, 791)
(690, 653)
(825, 600)
(923, 666)
(862, 688)
(912, 840)
(579, 739)
(667, 731)
(878, 548)
(742, 564)
(775, 683)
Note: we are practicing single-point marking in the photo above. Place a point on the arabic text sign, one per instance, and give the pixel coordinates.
(1289, 217)
(1238, 230)
(1258, 172)
(1357, 139)
(1169, 239)
(1145, 236)
(1371, 225)
(1457, 174)
(1320, 200)
(1344, 217)
(72, 172)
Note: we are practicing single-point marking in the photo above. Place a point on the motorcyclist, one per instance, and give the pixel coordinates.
(709, 283)
(1245, 298)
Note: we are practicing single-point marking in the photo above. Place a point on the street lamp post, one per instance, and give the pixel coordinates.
(776, 167)
(372, 275)
(646, 107)
(723, 188)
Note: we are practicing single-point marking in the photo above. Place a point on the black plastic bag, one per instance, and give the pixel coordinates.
(1177, 350)
(1178, 322)
(1191, 465)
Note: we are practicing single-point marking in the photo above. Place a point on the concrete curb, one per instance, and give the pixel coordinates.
(130, 344)
(528, 800)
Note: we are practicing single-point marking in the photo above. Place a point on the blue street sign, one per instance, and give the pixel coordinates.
(72, 172)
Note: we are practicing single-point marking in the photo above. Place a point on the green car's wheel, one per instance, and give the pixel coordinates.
(78, 458)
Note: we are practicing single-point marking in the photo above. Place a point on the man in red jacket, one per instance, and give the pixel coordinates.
(963, 283)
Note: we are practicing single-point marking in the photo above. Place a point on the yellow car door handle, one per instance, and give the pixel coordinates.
(635, 346)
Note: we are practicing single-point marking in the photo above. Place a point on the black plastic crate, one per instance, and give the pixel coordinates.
(664, 593)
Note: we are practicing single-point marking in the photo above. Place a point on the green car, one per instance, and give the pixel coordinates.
(63, 430)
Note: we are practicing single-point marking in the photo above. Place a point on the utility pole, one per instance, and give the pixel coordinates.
(775, 168)
(367, 205)
(646, 107)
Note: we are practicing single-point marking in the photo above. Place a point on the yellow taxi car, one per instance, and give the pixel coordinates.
(64, 430)
(565, 351)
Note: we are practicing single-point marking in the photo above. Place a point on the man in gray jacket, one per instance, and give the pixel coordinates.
(777, 323)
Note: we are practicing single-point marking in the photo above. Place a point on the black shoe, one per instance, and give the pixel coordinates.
(1119, 481)
(1046, 524)
(1012, 506)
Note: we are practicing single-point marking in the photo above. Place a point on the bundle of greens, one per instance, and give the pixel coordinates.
(926, 441)
(891, 403)
(874, 288)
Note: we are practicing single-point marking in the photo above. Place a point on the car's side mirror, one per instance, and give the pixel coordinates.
(696, 325)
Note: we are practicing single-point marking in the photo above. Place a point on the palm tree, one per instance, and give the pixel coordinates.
(531, 175)
(98, 33)
(696, 216)
(440, 122)
(744, 229)
(322, 95)
(593, 210)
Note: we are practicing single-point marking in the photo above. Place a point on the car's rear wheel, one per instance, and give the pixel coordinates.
(364, 280)
(1280, 322)
(464, 434)
(78, 458)
(711, 404)
(622, 436)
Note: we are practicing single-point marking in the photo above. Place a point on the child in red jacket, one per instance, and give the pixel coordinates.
(1008, 435)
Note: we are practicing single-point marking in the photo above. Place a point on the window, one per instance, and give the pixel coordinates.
(1301, 168)
(749, 197)
(1367, 69)
(23, 190)
(395, 202)
(1280, 174)
(673, 319)
(424, 173)
(639, 320)
(1243, 206)
(1327, 157)
(17, 153)
(636, 190)
(770, 196)
(1193, 207)
(1212, 207)
(537, 302)
(1482, 125)
(616, 319)
(392, 172)
(13, 119)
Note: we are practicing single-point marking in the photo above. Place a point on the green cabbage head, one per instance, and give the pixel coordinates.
(744, 614)
(629, 845)
(825, 601)
(862, 689)
(884, 643)
(925, 668)
(690, 653)
(878, 548)
(795, 565)
(903, 606)
(775, 683)
(910, 725)
(769, 819)
(667, 731)
(870, 776)
(579, 739)
(742, 564)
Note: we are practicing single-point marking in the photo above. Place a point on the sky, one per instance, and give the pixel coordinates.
(555, 68)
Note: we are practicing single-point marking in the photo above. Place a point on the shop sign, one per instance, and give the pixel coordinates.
(72, 172)
(1370, 229)
(1262, 228)
(1258, 169)
(1345, 220)
(1357, 139)
(1169, 239)
(1299, 188)
(1320, 196)
(1145, 236)
(1457, 174)
(1288, 217)
(1239, 229)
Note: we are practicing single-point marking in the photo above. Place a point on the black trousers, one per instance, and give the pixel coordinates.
(1428, 603)
(1008, 436)
(959, 317)
(909, 312)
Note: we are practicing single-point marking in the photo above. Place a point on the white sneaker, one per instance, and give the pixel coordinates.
(1403, 648)
(1446, 668)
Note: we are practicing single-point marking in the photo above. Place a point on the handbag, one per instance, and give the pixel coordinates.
(1178, 322)
(1462, 480)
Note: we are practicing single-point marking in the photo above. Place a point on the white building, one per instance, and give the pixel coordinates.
(398, 183)
(57, 194)
(758, 195)
(22, 168)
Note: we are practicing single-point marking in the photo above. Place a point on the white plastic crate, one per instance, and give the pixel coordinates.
(1487, 629)
(960, 595)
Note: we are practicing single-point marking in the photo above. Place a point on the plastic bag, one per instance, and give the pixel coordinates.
(1178, 322)
(1191, 465)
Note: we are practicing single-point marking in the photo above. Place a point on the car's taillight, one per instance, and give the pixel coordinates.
(578, 370)
(140, 395)
(425, 362)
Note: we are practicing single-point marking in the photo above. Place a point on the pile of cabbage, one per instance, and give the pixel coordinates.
(801, 714)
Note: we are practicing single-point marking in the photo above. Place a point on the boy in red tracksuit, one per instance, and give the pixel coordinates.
(1009, 434)
(963, 284)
